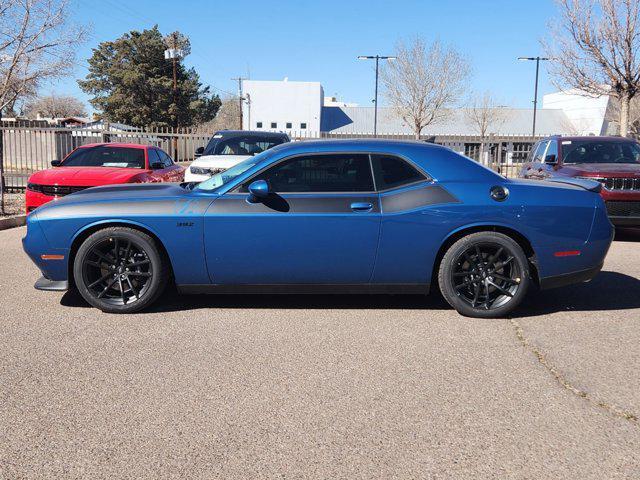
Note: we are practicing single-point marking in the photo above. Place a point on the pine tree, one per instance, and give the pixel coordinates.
(132, 83)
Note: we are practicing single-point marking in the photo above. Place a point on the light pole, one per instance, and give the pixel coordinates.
(535, 93)
(377, 58)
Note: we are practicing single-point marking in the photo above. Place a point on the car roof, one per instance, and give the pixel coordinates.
(116, 145)
(599, 138)
(241, 133)
(356, 144)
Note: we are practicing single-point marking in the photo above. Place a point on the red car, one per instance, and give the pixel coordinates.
(101, 164)
(612, 161)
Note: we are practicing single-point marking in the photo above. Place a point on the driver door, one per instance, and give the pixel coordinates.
(319, 225)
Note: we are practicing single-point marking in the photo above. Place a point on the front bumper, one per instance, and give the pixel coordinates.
(34, 200)
(624, 212)
(51, 285)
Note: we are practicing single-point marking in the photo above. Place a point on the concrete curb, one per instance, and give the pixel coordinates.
(12, 222)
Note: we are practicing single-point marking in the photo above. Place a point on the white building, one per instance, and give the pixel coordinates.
(587, 114)
(282, 105)
(302, 110)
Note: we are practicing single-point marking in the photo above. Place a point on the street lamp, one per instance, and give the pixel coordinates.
(377, 58)
(535, 94)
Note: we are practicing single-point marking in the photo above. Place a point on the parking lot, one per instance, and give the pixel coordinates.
(321, 387)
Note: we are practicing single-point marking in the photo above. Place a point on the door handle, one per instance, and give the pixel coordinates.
(361, 206)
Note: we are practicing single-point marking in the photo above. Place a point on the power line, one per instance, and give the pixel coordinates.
(134, 13)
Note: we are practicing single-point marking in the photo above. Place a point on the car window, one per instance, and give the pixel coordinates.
(551, 155)
(241, 145)
(153, 157)
(600, 151)
(105, 156)
(166, 159)
(532, 151)
(319, 173)
(390, 172)
(538, 155)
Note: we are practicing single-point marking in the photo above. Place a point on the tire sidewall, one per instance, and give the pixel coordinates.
(157, 282)
(445, 275)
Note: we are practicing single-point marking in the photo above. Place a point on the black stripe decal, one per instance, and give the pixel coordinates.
(238, 204)
(419, 197)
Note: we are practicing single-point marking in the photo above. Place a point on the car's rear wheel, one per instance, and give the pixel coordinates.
(120, 270)
(484, 275)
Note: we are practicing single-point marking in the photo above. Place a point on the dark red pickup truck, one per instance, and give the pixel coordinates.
(612, 161)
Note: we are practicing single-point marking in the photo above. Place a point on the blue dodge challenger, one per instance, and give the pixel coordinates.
(350, 216)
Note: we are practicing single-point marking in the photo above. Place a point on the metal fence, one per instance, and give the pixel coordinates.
(29, 147)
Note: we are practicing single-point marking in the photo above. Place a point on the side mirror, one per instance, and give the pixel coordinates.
(199, 152)
(55, 163)
(157, 166)
(551, 160)
(258, 190)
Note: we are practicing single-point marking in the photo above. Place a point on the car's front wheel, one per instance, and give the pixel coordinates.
(120, 270)
(484, 275)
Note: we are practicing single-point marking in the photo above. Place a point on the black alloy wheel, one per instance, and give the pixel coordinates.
(484, 275)
(120, 270)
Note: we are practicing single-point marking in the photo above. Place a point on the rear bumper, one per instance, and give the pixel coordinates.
(569, 278)
(51, 285)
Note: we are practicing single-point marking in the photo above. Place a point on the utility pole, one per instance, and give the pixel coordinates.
(178, 47)
(377, 58)
(175, 97)
(535, 90)
(240, 97)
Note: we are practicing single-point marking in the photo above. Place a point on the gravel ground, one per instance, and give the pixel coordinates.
(321, 387)
(13, 204)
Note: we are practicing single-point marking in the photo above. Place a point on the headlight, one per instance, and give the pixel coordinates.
(34, 187)
(205, 171)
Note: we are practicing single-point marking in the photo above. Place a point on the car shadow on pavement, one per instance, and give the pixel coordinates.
(172, 301)
(608, 291)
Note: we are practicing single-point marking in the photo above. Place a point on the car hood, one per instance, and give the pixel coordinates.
(219, 161)
(130, 192)
(602, 169)
(84, 176)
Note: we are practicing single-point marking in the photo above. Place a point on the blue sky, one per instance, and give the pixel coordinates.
(320, 40)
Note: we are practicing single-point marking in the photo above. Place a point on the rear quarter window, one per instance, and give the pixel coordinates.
(390, 172)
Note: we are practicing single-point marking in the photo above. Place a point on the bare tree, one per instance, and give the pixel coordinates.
(486, 117)
(596, 47)
(54, 106)
(423, 82)
(37, 44)
(227, 118)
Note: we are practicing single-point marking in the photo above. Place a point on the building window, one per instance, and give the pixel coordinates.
(274, 125)
(303, 125)
(289, 125)
(258, 124)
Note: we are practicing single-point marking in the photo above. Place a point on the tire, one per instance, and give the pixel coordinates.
(484, 275)
(120, 270)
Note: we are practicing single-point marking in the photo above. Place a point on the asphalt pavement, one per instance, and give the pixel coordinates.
(321, 387)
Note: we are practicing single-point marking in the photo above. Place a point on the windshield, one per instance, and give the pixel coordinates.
(241, 145)
(104, 156)
(594, 151)
(222, 178)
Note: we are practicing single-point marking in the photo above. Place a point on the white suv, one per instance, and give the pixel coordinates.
(228, 148)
